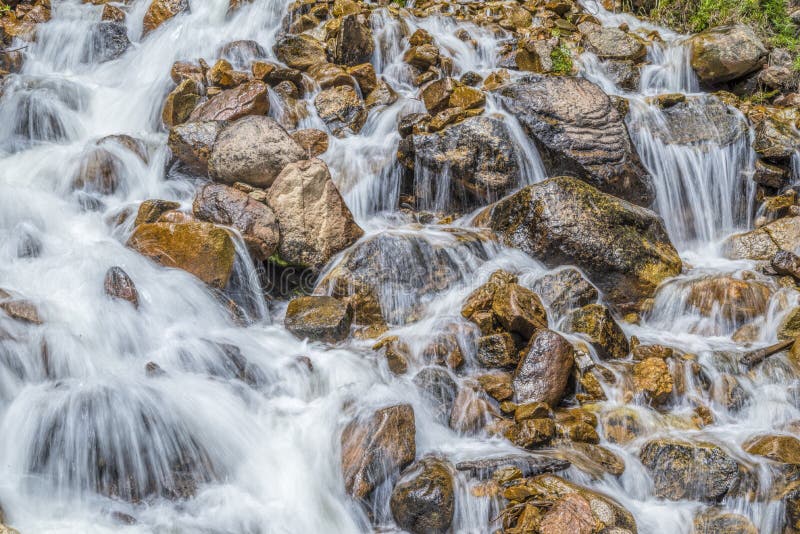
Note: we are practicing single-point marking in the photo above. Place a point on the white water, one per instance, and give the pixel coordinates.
(266, 448)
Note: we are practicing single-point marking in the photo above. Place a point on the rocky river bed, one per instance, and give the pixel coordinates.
(413, 266)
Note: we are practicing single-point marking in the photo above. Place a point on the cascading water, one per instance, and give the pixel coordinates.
(227, 427)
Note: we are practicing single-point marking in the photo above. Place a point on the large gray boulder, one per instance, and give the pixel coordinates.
(579, 132)
(623, 248)
(253, 150)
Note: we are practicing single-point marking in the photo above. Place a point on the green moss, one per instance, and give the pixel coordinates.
(4, 8)
(562, 60)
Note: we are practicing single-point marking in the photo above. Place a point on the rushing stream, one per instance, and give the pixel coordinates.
(80, 411)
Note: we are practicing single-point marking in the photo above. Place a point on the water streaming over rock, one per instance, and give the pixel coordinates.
(187, 420)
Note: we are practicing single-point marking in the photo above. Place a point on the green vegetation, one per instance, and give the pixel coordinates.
(4, 8)
(769, 18)
(562, 60)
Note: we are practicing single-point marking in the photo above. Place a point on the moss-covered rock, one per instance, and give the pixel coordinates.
(202, 249)
(319, 318)
(623, 248)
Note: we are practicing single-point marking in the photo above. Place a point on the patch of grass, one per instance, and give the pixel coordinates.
(562, 60)
(768, 18)
(4, 8)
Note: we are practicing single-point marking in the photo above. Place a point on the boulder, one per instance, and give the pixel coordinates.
(151, 210)
(118, 285)
(341, 109)
(596, 323)
(220, 204)
(476, 161)
(438, 387)
(503, 306)
(545, 369)
(250, 98)
(202, 249)
(423, 501)
(623, 248)
(782, 449)
(319, 318)
(786, 263)
(497, 351)
(314, 220)
(161, 11)
(732, 298)
(377, 448)
(765, 242)
(191, 144)
(564, 290)
(181, 102)
(613, 43)
(718, 521)
(571, 514)
(652, 378)
(726, 53)
(313, 141)
(109, 40)
(699, 119)
(353, 44)
(692, 471)
(579, 131)
(253, 150)
(300, 51)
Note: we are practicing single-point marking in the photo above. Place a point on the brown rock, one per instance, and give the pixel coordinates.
(377, 447)
(596, 322)
(313, 141)
(543, 373)
(202, 249)
(319, 318)
(341, 109)
(191, 144)
(571, 514)
(247, 99)
(220, 204)
(118, 285)
(652, 378)
(181, 102)
(161, 11)
(314, 220)
(423, 501)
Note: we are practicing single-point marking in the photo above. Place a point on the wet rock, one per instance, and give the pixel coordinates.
(717, 521)
(726, 53)
(497, 385)
(692, 471)
(202, 249)
(789, 327)
(100, 171)
(729, 392)
(181, 102)
(543, 372)
(622, 425)
(341, 109)
(300, 51)
(623, 248)
(700, 119)
(151, 210)
(652, 378)
(109, 40)
(613, 43)
(577, 425)
(313, 141)
(531, 433)
(423, 501)
(314, 220)
(564, 290)
(253, 150)
(786, 263)
(353, 43)
(220, 204)
(497, 351)
(396, 352)
(502, 305)
(733, 298)
(191, 144)
(422, 56)
(19, 309)
(778, 448)
(328, 75)
(161, 11)
(579, 131)
(319, 318)
(478, 155)
(439, 388)
(247, 99)
(596, 322)
(470, 411)
(624, 73)
(368, 274)
(763, 243)
(118, 285)
(569, 514)
(377, 448)
(606, 514)
(382, 95)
